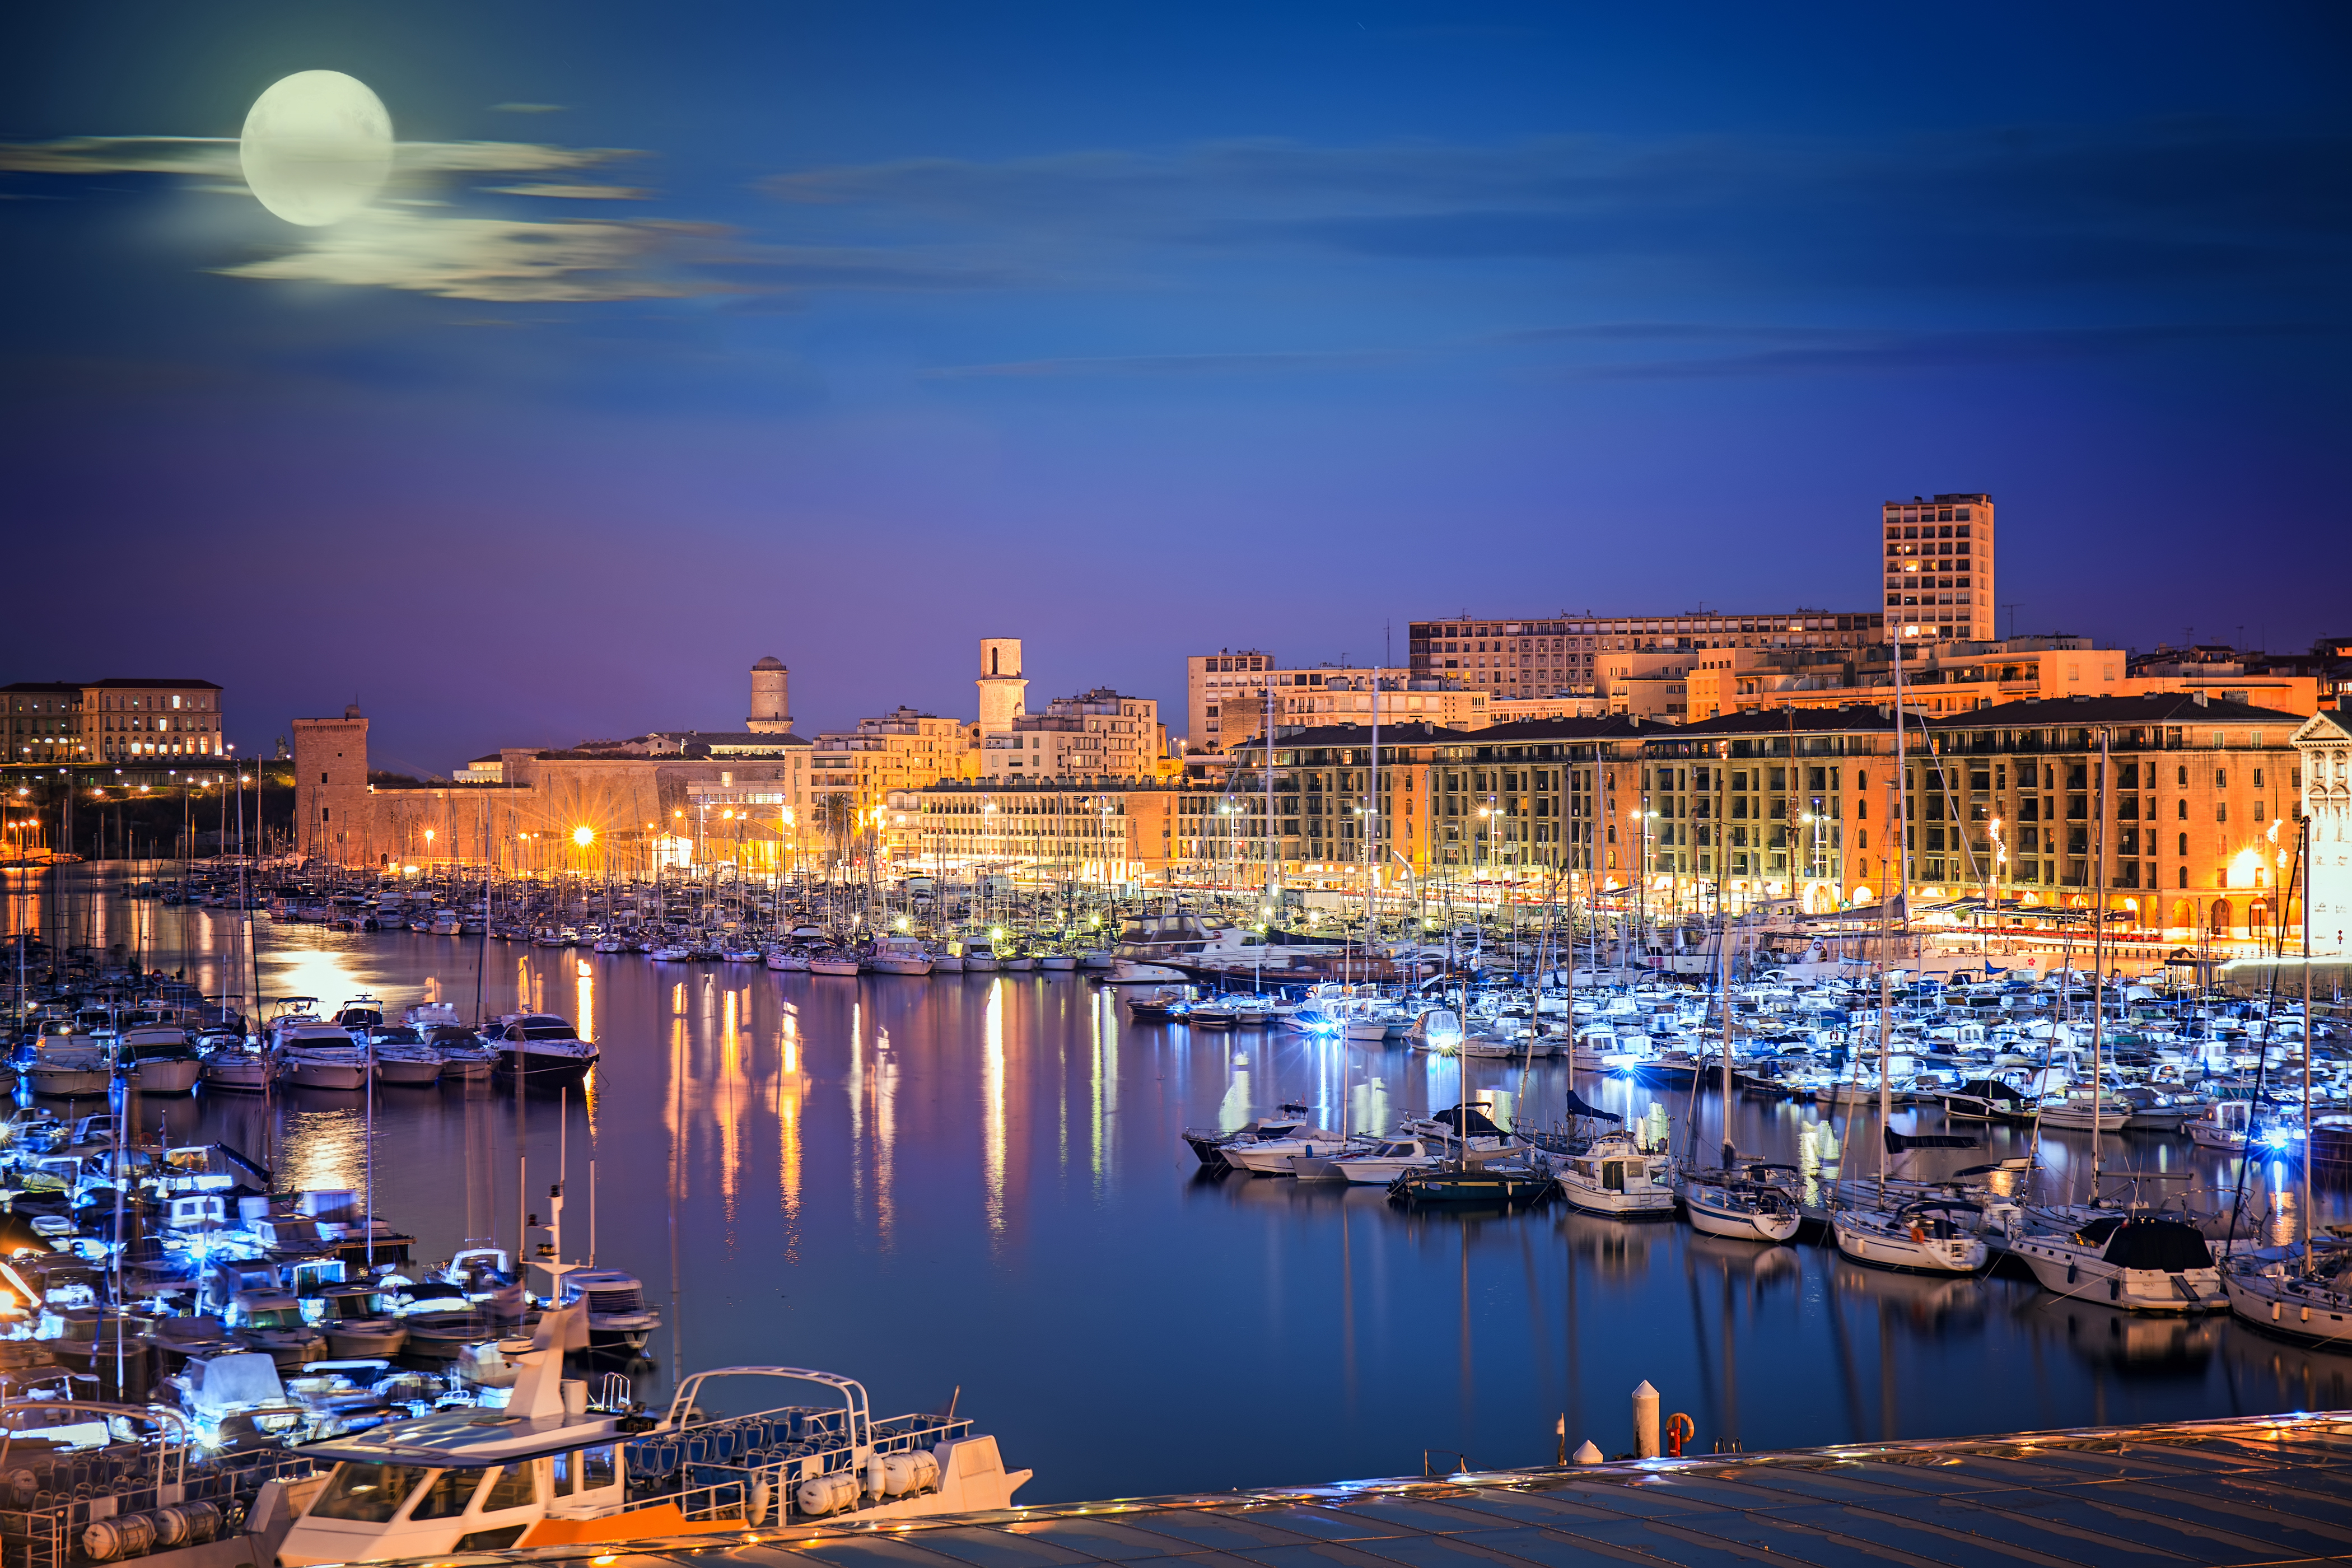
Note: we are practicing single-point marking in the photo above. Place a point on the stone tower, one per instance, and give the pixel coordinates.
(332, 816)
(1001, 684)
(771, 708)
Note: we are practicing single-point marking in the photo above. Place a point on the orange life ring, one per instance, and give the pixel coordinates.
(1680, 1429)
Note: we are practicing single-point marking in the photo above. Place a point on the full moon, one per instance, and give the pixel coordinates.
(317, 147)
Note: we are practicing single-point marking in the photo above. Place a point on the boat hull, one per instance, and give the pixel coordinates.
(543, 1070)
(60, 1083)
(1878, 1250)
(2064, 1271)
(1711, 1216)
(171, 1076)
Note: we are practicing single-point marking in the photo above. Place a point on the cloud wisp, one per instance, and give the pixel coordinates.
(408, 244)
(1998, 209)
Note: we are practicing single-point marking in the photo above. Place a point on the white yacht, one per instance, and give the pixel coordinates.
(615, 1300)
(1386, 1160)
(899, 955)
(549, 1469)
(68, 1064)
(2142, 1263)
(1918, 1238)
(1260, 1156)
(315, 1053)
(543, 1048)
(1617, 1177)
(1150, 948)
(402, 1057)
(156, 1058)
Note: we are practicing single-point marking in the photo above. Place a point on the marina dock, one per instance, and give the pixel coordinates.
(2245, 1489)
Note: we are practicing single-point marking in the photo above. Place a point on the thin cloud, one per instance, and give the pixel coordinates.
(498, 259)
(217, 155)
(1162, 366)
(526, 108)
(1988, 210)
(574, 193)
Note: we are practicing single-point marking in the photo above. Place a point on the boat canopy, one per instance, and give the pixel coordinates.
(2144, 1241)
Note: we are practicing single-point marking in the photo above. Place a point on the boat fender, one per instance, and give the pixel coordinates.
(755, 1500)
(2115, 1289)
(2070, 1265)
(825, 1494)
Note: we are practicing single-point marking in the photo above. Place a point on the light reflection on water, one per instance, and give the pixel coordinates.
(980, 1181)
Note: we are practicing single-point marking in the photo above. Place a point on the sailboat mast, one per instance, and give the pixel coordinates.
(1903, 879)
(2303, 876)
(2098, 968)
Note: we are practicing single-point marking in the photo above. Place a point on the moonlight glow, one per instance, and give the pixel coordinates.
(316, 148)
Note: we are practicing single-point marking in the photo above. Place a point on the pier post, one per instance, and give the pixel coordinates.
(1645, 1421)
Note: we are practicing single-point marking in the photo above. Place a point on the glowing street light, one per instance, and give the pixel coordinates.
(583, 836)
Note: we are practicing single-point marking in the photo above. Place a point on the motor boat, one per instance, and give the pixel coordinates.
(1384, 1162)
(899, 955)
(402, 1058)
(556, 1469)
(2141, 1263)
(157, 1058)
(615, 1300)
(1263, 1156)
(543, 1048)
(357, 1323)
(1616, 1176)
(67, 1064)
(235, 1062)
(840, 962)
(309, 1058)
(1917, 1238)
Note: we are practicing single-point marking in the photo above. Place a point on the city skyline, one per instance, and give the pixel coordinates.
(855, 339)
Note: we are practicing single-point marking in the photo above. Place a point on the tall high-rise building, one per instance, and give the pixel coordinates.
(1940, 569)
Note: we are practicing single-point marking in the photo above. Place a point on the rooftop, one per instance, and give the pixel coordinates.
(2161, 708)
(2245, 1489)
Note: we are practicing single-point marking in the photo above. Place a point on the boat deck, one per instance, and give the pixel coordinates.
(2260, 1489)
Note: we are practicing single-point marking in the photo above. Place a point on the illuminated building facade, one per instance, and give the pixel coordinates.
(1939, 568)
(122, 719)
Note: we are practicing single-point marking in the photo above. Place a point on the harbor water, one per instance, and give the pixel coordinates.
(975, 1187)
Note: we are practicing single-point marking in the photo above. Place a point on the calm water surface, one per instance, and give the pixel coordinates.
(979, 1183)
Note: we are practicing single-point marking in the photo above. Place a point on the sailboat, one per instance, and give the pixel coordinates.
(1742, 1203)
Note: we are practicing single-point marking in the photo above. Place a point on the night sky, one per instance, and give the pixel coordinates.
(854, 333)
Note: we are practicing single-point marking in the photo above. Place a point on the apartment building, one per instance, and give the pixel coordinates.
(1095, 734)
(123, 718)
(1228, 696)
(1940, 583)
(1109, 831)
(1535, 656)
(2323, 746)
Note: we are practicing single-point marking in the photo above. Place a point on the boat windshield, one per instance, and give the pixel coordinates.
(369, 1494)
(550, 1032)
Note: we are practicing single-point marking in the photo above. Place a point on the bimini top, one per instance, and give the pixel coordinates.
(2248, 1489)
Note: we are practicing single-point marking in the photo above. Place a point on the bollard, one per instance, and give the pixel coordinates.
(1645, 1421)
(1589, 1453)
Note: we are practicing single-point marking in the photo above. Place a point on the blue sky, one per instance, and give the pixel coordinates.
(856, 333)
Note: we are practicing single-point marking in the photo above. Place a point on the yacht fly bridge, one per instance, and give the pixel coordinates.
(553, 1468)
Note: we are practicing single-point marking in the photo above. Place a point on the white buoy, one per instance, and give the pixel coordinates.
(1645, 1421)
(1588, 1453)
